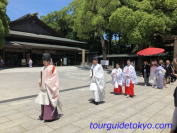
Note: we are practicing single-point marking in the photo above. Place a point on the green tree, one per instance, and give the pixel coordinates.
(142, 22)
(92, 17)
(61, 21)
(3, 22)
(137, 23)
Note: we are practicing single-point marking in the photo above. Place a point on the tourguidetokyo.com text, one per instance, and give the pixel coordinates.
(130, 125)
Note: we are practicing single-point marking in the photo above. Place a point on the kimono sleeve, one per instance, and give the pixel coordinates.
(91, 72)
(134, 76)
(112, 73)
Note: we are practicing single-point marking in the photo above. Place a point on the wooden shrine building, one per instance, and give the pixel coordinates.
(29, 37)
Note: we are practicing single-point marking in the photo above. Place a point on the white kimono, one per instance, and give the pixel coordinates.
(152, 75)
(117, 77)
(129, 75)
(160, 73)
(97, 82)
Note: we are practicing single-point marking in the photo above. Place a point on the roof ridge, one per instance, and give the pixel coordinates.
(25, 16)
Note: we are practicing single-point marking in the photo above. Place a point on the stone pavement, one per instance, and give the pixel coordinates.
(20, 116)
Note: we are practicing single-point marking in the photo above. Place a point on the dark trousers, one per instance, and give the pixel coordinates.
(146, 79)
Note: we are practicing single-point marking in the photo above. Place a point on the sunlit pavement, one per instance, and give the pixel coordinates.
(19, 113)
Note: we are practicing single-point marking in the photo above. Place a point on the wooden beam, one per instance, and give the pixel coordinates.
(83, 57)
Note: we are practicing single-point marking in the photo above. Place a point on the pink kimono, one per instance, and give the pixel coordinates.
(48, 97)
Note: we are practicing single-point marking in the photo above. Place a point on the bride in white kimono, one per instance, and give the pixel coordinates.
(160, 74)
(48, 96)
(152, 73)
(97, 82)
(117, 79)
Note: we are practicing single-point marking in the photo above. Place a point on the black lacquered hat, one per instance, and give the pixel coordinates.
(46, 57)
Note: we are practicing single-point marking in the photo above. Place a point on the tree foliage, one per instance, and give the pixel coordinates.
(142, 22)
(3, 21)
(137, 23)
(92, 17)
(61, 21)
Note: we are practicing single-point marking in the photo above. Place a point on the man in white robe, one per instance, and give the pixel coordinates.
(97, 82)
(117, 79)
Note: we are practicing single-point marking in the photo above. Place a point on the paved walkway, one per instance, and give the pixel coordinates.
(20, 116)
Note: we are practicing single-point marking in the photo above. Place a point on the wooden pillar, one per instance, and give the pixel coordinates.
(83, 57)
(75, 55)
(3, 54)
(24, 53)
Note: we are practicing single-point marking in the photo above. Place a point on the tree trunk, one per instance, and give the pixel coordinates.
(103, 45)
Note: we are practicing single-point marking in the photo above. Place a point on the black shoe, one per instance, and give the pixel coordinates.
(51, 120)
(96, 103)
(117, 93)
(48, 120)
(132, 96)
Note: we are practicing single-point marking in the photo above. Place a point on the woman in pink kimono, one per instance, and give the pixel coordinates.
(48, 96)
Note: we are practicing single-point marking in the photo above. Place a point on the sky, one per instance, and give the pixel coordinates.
(18, 8)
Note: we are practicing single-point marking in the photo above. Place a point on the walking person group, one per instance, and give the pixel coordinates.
(158, 73)
(49, 97)
(126, 77)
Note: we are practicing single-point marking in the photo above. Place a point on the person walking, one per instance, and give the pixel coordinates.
(97, 82)
(117, 79)
(146, 73)
(48, 97)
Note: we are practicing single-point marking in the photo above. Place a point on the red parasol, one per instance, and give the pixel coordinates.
(150, 51)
